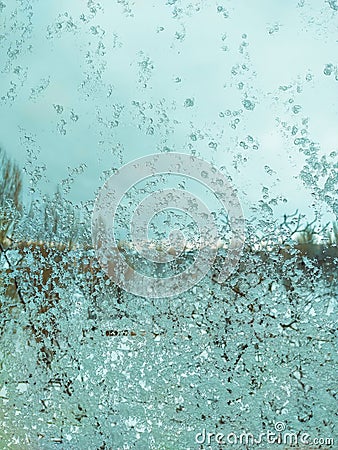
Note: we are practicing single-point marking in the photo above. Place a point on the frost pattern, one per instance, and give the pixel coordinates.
(85, 365)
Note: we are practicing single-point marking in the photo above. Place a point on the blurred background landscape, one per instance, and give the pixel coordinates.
(90, 86)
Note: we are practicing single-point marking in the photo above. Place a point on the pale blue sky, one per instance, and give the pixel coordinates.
(74, 70)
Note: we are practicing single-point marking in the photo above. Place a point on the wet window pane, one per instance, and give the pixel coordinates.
(168, 224)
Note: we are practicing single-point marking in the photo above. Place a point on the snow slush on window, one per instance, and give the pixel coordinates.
(168, 225)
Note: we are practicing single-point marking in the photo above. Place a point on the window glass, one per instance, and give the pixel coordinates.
(168, 224)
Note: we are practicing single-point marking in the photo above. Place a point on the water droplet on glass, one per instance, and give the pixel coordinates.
(328, 69)
(296, 109)
(189, 103)
(249, 105)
